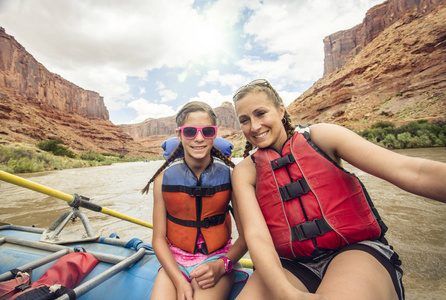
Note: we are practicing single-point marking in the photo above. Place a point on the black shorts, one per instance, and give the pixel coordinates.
(311, 274)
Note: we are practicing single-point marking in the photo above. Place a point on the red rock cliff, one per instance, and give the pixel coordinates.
(37, 105)
(342, 46)
(20, 72)
(400, 76)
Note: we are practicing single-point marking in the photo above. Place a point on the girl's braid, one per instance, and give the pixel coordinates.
(217, 153)
(172, 156)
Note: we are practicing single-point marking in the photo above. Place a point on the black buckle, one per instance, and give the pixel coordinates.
(198, 192)
(294, 189)
(310, 229)
(282, 161)
(214, 220)
(22, 287)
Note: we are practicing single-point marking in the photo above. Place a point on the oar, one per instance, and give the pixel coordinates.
(247, 263)
(68, 198)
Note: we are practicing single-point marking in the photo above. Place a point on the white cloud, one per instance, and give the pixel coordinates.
(288, 97)
(146, 109)
(213, 98)
(234, 81)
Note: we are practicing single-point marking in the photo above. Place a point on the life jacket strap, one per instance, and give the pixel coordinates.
(309, 230)
(206, 223)
(282, 161)
(197, 191)
(294, 189)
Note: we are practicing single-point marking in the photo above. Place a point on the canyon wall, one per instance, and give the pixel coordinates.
(342, 46)
(398, 76)
(37, 105)
(21, 72)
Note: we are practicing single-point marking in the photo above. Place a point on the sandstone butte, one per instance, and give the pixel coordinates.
(391, 67)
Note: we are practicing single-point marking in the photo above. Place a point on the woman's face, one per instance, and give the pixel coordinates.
(199, 147)
(261, 121)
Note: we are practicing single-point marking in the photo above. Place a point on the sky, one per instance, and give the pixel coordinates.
(148, 58)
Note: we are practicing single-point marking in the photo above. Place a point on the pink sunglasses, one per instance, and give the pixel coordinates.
(190, 132)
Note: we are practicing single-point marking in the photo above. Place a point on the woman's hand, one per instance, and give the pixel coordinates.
(208, 274)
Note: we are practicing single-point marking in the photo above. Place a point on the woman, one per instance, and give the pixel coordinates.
(310, 226)
(191, 221)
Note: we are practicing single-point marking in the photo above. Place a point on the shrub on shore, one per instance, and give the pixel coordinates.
(20, 158)
(419, 134)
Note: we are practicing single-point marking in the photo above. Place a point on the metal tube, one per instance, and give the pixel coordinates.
(35, 264)
(104, 257)
(95, 281)
(61, 226)
(85, 222)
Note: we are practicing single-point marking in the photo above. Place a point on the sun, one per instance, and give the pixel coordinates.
(209, 43)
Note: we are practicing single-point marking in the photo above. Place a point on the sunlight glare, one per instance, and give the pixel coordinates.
(209, 43)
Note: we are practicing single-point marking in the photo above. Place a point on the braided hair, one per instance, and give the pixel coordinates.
(180, 119)
(274, 97)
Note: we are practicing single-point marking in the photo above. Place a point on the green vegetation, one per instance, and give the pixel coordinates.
(28, 159)
(419, 134)
(55, 147)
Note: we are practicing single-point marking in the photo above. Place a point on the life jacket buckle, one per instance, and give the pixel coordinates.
(282, 161)
(22, 287)
(214, 220)
(294, 189)
(310, 229)
(198, 192)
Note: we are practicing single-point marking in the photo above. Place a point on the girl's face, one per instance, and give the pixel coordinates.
(261, 121)
(198, 148)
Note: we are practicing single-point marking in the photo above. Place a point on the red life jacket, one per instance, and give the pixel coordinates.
(310, 203)
(197, 205)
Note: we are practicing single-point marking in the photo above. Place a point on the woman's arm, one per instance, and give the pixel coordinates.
(416, 175)
(255, 230)
(162, 250)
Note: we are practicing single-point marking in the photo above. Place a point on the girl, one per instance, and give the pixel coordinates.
(310, 226)
(191, 221)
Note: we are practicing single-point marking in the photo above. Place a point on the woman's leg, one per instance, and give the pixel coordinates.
(255, 288)
(356, 274)
(163, 287)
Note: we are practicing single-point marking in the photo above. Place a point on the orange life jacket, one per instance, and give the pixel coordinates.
(309, 202)
(197, 205)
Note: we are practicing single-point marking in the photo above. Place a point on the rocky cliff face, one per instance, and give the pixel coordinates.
(342, 46)
(399, 75)
(19, 71)
(37, 105)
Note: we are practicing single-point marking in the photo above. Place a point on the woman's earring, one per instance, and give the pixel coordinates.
(283, 121)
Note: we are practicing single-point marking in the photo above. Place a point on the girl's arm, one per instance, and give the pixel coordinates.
(162, 250)
(208, 274)
(416, 175)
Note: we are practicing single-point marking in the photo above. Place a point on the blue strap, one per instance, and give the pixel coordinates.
(138, 244)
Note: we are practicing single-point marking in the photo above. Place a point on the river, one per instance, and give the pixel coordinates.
(416, 225)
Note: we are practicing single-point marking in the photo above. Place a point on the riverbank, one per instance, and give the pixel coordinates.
(25, 158)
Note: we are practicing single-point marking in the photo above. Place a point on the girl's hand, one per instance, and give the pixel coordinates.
(185, 292)
(208, 274)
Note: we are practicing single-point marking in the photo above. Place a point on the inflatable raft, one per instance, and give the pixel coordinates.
(126, 269)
